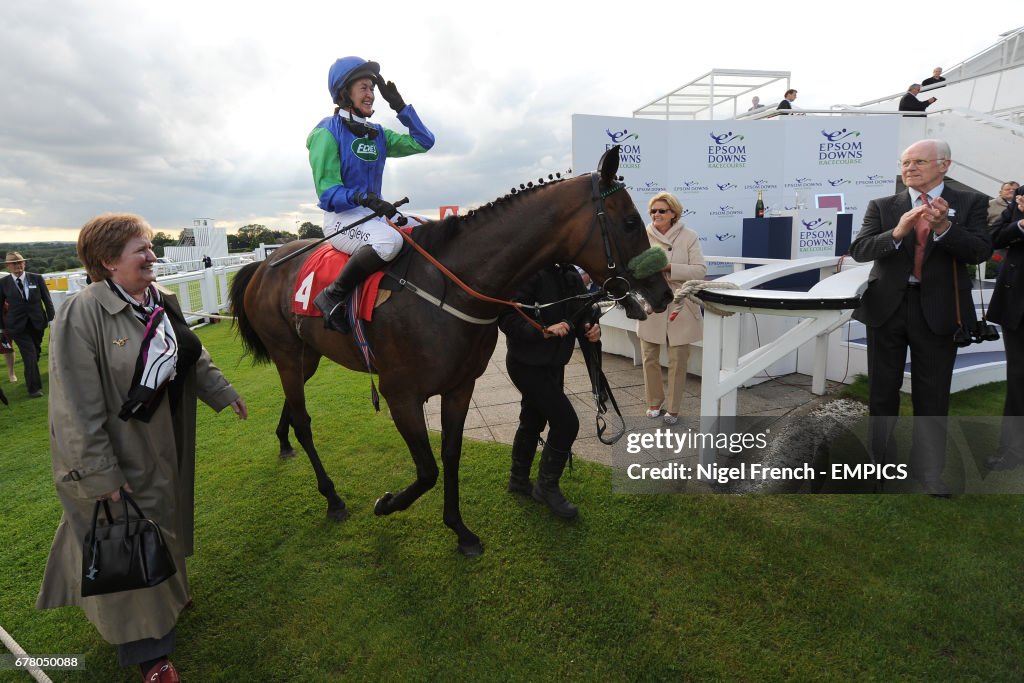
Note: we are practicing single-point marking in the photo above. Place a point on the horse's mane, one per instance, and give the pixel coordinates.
(443, 231)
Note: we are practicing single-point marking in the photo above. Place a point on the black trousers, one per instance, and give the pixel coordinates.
(30, 345)
(139, 651)
(932, 357)
(544, 403)
(1011, 440)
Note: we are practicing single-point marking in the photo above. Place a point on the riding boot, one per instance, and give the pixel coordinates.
(552, 462)
(524, 447)
(333, 300)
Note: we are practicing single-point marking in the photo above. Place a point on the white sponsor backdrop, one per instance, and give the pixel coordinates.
(716, 168)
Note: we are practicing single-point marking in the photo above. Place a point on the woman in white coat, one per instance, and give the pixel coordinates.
(685, 262)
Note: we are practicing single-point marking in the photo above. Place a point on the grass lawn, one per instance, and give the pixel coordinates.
(677, 588)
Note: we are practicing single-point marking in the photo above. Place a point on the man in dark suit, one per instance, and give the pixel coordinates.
(909, 101)
(786, 104)
(30, 310)
(1007, 309)
(918, 295)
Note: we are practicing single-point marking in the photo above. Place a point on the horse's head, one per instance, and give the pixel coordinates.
(621, 258)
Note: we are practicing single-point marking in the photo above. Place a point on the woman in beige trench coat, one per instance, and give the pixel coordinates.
(95, 342)
(685, 262)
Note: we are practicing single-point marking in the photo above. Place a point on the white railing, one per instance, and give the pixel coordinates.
(822, 310)
(201, 293)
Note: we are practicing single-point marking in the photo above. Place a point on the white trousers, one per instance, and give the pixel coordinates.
(376, 232)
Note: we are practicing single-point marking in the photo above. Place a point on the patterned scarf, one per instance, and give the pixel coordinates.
(158, 355)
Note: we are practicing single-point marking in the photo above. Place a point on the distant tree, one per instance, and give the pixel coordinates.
(308, 230)
(160, 240)
(280, 237)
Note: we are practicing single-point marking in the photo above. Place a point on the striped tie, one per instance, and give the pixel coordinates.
(923, 230)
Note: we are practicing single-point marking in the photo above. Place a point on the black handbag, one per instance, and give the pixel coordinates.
(125, 554)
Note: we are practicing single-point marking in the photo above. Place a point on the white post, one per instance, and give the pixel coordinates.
(208, 287)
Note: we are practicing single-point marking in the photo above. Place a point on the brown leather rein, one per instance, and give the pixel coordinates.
(599, 219)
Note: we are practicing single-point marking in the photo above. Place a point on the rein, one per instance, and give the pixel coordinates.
(600, 219)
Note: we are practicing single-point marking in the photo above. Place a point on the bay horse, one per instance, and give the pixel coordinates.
(420, 351)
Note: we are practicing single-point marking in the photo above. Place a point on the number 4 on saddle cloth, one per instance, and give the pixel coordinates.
(320, 270)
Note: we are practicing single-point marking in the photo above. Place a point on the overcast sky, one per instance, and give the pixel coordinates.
(191, 109)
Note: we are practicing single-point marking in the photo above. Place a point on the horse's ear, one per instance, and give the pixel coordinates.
(609, 164)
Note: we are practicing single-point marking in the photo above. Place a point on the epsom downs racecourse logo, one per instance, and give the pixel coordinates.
(629, 152)
(817, 235)
(840, 147)
(365, 149)
(874, 180)
(690, 187)
(727, 152)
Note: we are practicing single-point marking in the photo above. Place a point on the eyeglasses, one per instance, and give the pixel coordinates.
(918, 163)
(654, 211)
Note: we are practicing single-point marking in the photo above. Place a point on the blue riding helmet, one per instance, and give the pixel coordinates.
(348, 69)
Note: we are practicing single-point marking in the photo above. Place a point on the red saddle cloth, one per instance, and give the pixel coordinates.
(321, 269)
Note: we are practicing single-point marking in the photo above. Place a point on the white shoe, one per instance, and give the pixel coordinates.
(654, 413)
(671, 419)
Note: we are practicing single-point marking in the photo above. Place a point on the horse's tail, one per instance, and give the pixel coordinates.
(251, 341)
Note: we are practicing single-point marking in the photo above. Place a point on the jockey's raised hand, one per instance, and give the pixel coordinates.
(389, 92)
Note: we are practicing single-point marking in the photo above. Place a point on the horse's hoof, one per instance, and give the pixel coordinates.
(380, 507)
(472, 549)
(287, 454)
(337, 514)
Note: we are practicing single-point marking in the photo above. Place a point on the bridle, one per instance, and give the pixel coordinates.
(600, 220)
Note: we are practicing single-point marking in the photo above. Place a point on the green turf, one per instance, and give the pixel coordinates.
(675, 588)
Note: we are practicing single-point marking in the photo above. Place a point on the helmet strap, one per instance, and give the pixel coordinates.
(359, 127)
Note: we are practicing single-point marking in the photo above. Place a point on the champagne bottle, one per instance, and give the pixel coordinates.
(759, 207)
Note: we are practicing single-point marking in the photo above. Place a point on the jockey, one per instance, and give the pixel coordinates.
(347, 154)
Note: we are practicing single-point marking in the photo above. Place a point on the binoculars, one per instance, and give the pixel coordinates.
(981, 331)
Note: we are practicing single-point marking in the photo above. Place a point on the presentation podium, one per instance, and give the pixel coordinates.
(818, 232)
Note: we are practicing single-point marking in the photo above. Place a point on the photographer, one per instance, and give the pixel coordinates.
(1008, 310)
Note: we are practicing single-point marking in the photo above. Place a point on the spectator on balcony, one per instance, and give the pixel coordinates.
(909, 102)
(935, 79)
(787, 101)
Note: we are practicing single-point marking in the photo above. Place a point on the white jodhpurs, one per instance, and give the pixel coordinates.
(376, 232)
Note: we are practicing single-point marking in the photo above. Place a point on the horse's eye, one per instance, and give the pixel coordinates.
(633, 223)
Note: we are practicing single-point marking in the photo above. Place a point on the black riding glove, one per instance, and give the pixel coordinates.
(375, 204)
(389, 92)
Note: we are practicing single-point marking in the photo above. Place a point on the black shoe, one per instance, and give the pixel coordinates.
(36, 394)
(333, 300)
(335, 311)
(1001, 461)
(546, 490)
(524, 447)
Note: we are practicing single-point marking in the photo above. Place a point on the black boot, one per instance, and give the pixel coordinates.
(524, 447)
(333, 300)
(552, 462)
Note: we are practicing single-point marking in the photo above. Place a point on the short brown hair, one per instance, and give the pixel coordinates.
(672, 202)
(103, 239)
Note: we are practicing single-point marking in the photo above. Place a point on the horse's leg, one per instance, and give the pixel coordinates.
(282, 433)
(454, 406)
(293, 381)
(408, 416)
(310, 363)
